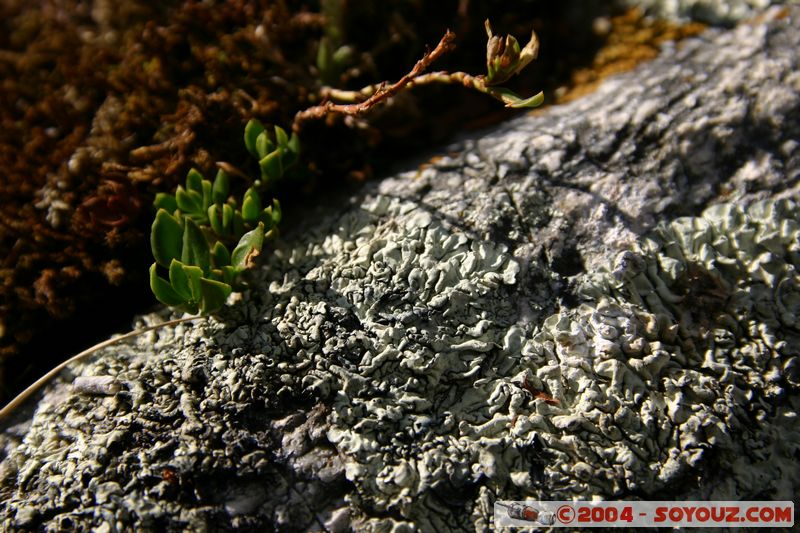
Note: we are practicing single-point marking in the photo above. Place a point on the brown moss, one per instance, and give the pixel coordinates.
(100, 107)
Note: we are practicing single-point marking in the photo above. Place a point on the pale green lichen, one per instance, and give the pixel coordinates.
(679, 351)
(659, 379)
(677, 377)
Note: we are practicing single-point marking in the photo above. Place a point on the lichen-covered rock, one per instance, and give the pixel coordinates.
(685, 358)
(596, 301)
(710, 11)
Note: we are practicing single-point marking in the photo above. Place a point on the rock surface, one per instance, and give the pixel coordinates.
(721, 12)
(597, 300)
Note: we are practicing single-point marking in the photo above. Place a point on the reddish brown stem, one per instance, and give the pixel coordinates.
(320, 111)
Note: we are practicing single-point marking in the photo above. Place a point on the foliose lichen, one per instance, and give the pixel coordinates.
(676, 376)
(681, 363)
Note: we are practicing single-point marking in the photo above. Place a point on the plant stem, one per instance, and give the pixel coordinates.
(361, 101)
(381, 93)
(469, 81)
(27, 393)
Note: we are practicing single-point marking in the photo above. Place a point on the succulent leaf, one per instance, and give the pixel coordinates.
(165, 201)
(252, 131)
(207, 200)
(280, 137)
(221, 255)
(342, 55)
(221, 187)
(215, 219)
(165, 238)
(163, 290)
(294, 144)
(517, 102)
(263, 145)
(266, 218)
(227, 218)
(238, 223)
(193, 274)
(229, 274)
(248, 248)
(534, 101)
(251, 206)
(194, 181)
(272, 166)
(179, 281)
(189, 201)
(195, 250)
(324, 59)
(271, 215)
(214, 294)
(277, 213)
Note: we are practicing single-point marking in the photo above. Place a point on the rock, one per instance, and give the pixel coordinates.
(598, 300)
(719, 12)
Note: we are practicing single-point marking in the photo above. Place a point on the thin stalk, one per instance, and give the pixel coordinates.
(27, 393)
(380, 94)
(469, 81)
(359, 102)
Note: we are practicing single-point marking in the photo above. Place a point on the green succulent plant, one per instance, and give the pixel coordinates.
(277, 154)
(195, 229)
(333, 56)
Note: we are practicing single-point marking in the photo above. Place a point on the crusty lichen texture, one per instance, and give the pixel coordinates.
(685, 360)
(508, 322)
(712, 11)
(681, 368)
(676, 377)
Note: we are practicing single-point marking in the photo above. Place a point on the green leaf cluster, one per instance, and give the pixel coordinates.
(277, 154)
(333, 56)
(203, 238)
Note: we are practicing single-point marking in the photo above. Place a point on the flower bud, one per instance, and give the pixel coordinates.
(504, 57)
